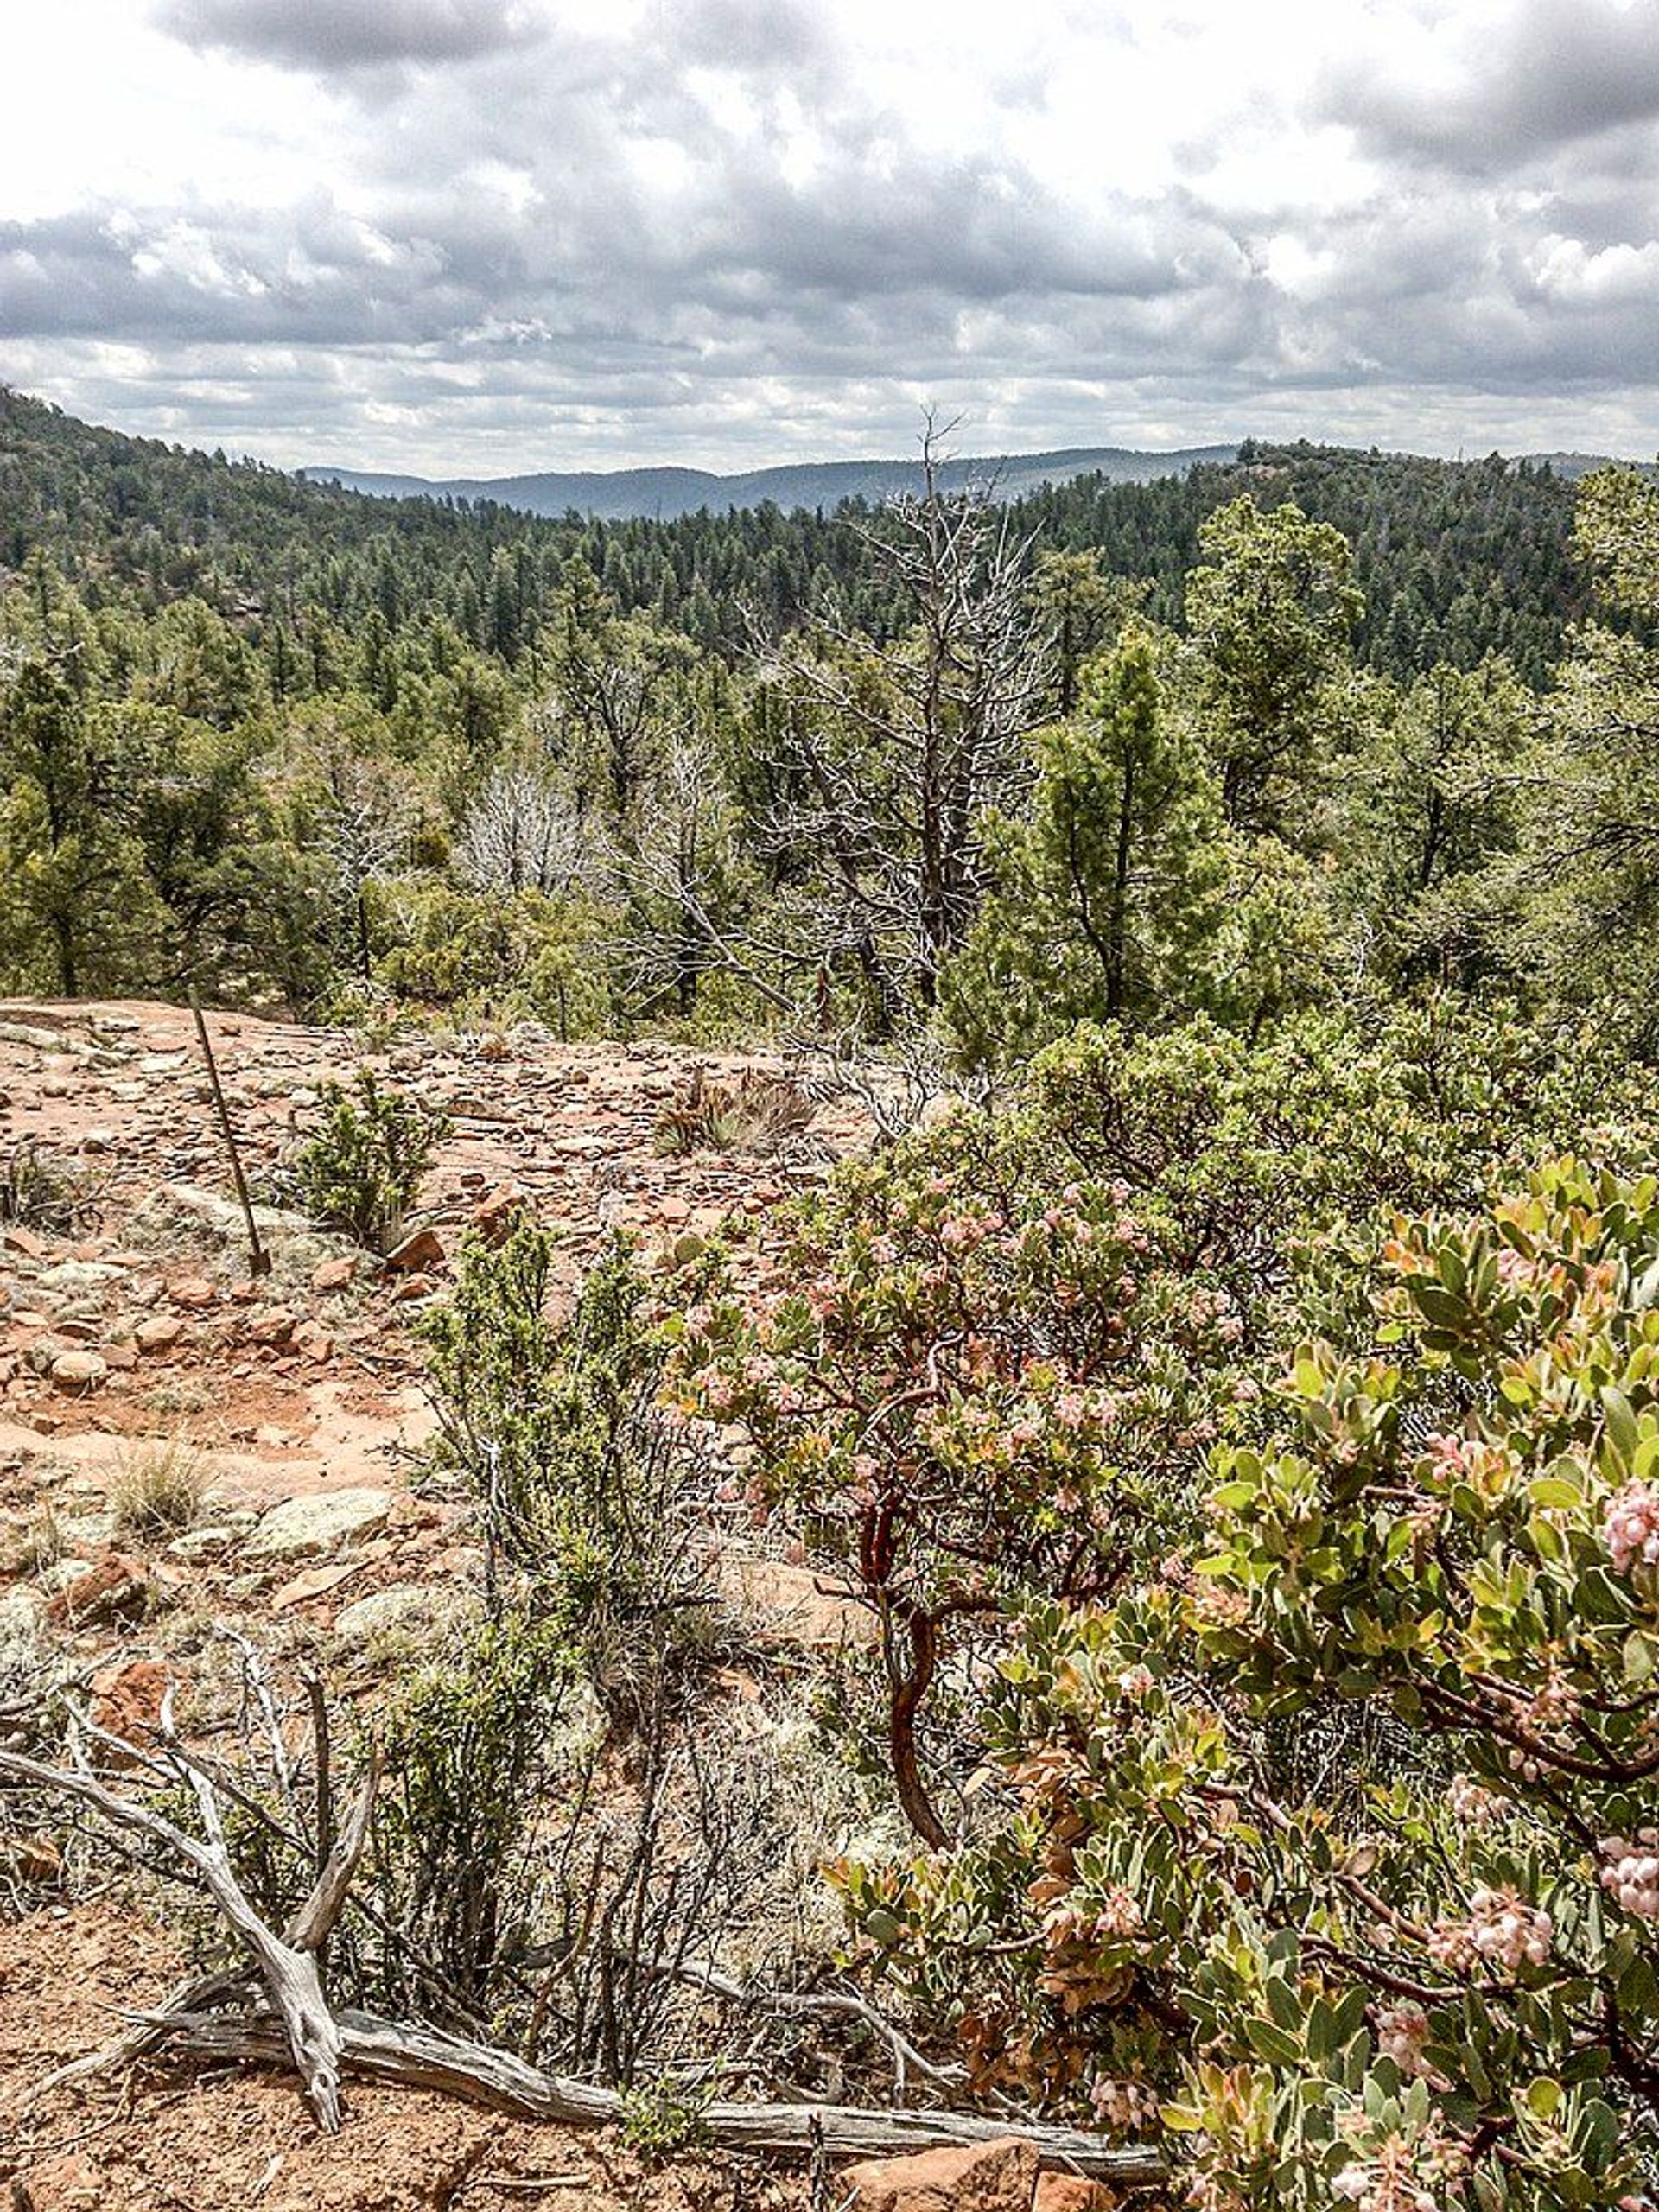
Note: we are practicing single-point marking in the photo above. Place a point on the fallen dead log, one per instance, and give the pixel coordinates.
(304, 2033)
(287, 1963)
(424, 2058)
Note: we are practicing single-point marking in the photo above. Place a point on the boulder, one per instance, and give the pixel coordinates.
(79, 1373)
(300, 1527)
(998, 2177)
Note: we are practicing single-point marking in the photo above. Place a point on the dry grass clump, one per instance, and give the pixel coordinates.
(39, 1192)
(33, 1544)
(749, 1112)
(159, 1490)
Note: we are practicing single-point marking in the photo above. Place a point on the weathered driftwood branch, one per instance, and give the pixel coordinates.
(287, 1964)
(423, 2058)
(303, 2032)
(810, 2004)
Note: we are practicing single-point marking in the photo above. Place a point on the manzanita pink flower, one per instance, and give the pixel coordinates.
(1402, 2032)
(1631, 1526)
(1630, 1872)
(1501, 1928)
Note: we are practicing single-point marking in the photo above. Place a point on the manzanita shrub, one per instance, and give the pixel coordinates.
(967, 1400)
(997, 1357)
(1332, 1845)
(1272, 1478)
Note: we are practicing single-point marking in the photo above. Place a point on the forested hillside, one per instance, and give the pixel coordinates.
(1455, 560)
(292, 743)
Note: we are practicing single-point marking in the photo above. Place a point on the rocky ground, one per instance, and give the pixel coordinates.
(136, 1331)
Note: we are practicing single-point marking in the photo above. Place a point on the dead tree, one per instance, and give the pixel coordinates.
(287, 1963)
(889, 756)
(212, 2017)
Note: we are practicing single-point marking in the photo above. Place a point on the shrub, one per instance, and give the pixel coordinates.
(454, 1863)
(750, 1112)
(362, 1170)
(976, 1386)
(586, 1494)
(39, 1192)
(1331, 1841)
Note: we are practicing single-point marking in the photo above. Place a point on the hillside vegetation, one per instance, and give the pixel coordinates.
(1214, 1366)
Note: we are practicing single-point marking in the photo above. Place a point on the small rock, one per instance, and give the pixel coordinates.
(999, 2176)
(111, 1589)
(1072, 2193)
(419, 1249)
(198, 1544)
(160, 1332)
(192, 1292)
(333, 1274)
(21, 1612)
(300, 1526)
(79, 1278)
(495, 1217)
(313, 1341)
(127, 1698)
(315, 1582)
(79, 1373)
(269, 1325)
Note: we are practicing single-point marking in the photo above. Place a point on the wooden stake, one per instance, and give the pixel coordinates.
(259, 1258)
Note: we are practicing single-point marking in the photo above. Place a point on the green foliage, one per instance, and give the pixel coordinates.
(1587, 871)
(1439, 814)
(1107, 896)
(551, 1422)
(1419, 1959)
(753, 1111)
(1270, 610)
(462, 1742)
(362, 1169)
(477, 957)
(662, 2119)
(40, 1191)
(76, 911)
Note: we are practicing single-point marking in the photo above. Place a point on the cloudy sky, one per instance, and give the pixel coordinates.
(481, 236)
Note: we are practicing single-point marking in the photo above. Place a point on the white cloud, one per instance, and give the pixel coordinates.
(469, 235)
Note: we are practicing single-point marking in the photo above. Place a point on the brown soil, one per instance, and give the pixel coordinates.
(118, 1091)
(153, 2139)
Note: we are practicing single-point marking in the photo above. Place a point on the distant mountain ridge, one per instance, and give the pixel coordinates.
(624, 494)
